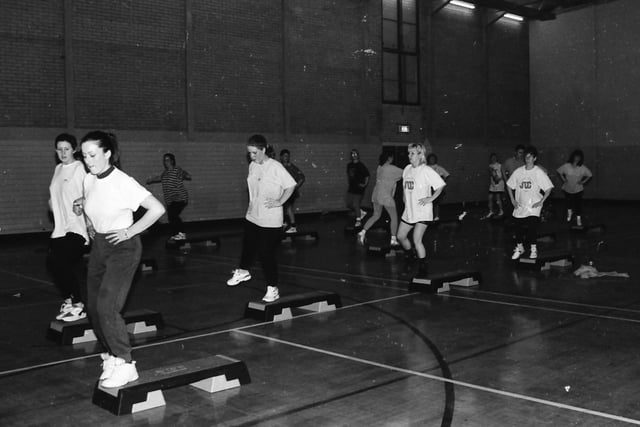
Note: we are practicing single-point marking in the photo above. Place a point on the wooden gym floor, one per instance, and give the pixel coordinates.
(522, 349)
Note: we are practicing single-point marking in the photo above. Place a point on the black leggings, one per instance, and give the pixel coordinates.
(574, 202)
(262, 243)
(526, 229)
(65, 264)
(174, 209)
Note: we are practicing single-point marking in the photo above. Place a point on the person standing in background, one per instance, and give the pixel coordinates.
(69, 238)
(574, 175)
(358, 178)
(285, 159)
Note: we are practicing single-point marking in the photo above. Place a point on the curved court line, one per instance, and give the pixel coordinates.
(176, 340)
(452, 381)
(536, 307)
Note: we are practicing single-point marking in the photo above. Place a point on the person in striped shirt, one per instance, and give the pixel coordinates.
(175, 194)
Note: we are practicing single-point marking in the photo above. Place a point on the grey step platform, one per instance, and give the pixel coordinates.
(280, 309)
(440, 282)
(211, 374)
(300, 235)
(138, 322)
(589, 228)
(386, 250)
(545, 261)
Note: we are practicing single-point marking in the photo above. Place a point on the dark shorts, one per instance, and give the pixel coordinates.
(419, 222)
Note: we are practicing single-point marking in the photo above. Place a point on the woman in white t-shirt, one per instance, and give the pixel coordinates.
(387, 177)
(110, 198)
(270, 185)
(421, 186)
(496, 186)
(529, 186)
(69, 237)
(574, 175)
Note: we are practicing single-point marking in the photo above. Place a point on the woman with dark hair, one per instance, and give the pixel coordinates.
(110, 198)
(387, 176)
(496, 187)
(175, 194)
(285, 159)
(69, 237)
(432, 162)
(574, 175)
(421, 186)
(529, 186)
(270, 185)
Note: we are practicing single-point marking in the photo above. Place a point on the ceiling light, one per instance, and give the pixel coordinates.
(514, 17)
(464, 4)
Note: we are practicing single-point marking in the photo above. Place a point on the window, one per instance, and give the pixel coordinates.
(400, 51)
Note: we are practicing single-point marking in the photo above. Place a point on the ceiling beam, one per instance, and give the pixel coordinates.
(509, 7)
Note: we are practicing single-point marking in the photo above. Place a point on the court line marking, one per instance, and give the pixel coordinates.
(526, 297)
(446, 380)
(535, 307)
(205, 335)
(24, 276)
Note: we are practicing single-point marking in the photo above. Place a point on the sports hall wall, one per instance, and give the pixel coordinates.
(197, 78)
(585, 74)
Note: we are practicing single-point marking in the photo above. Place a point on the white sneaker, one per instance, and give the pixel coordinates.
(358, 223)
(76, 313)
(569, 215)
(518, 251)
(394, 241)
(180, 236)
(291, 230)
(65, 307)
(122, 374)
(462, 215)
(238, 277)
(108, 364)
(271, 295)
(363, 213)
(361, 236)
(533, 252)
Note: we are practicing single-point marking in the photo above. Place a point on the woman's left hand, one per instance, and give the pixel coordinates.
(272, 203)
(424, 201)
(118, 236)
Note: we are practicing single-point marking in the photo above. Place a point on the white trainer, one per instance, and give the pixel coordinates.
(361, 236)
(65, 307)
(108, 364)
(76, 313)
(271, 295)
(533, 252)
(518, 251)
(122, 374)
(238, 277)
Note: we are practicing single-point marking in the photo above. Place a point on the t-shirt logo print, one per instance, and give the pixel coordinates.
(525, 185)
(408, 185)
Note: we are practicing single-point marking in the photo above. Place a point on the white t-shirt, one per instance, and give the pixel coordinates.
(418, 183)
(496, 170)
(110, 201)
(267, 181)
(573, 175)
(65, 187)
(386, 178)
(528, 185)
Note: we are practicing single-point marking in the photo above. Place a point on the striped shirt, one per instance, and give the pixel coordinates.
(173, 188)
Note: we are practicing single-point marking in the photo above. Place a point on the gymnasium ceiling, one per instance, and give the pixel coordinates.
(535, 9)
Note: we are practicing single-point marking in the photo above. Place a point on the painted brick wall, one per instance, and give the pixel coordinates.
(304, 73)
(584, 93)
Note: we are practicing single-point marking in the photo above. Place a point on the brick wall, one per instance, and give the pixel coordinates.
(307, 74)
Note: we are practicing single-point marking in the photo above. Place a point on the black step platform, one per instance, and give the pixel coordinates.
(207, 240)
(148, 265)
(588, 229)
(280, 309)
(546, 238)
(545, 261)
(440, 282)
(386, 250)
(211, 374)
(300, 235)
(138, 322)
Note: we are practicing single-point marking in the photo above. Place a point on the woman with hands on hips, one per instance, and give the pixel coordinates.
(110, 198)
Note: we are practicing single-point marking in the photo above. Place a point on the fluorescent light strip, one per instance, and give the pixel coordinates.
(462, 4)
(513, 17)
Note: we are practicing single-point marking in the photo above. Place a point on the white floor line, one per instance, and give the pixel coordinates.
(24, 276)
(547, 300)
(536, 307)
(451, 381)
(193, 337)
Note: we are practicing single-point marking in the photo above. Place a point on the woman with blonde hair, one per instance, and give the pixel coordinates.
(421, 186)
